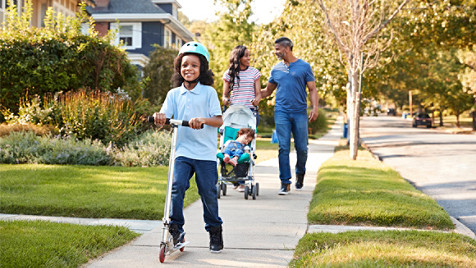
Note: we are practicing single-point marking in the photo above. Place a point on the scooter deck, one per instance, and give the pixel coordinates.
(177, 247)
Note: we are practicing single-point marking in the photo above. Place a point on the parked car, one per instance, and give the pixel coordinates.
(391, 111)
(422, 119)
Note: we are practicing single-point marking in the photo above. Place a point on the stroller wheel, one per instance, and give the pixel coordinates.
(257, 188)
(218, 190)
(223, 188)
(162, 253)
(253, 192)
(247, 191)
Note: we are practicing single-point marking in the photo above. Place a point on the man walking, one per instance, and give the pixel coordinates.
(290, 77)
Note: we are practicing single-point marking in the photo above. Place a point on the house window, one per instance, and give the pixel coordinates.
(129, 33)
(167, 38)
(178, 42)
(126, 35)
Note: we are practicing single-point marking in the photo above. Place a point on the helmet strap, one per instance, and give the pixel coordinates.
(189, 83)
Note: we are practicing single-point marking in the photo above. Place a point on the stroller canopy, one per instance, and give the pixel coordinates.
(238, 116)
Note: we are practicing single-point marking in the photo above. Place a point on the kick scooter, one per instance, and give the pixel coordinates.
(167, 246)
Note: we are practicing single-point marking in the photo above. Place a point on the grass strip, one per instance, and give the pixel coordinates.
(48, 244)
(366, 192)
(385, 249)
(86, 191)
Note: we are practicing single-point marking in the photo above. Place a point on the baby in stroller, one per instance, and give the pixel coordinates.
(237, 150)
(234, 149)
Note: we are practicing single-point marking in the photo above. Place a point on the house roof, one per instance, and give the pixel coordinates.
(139, 11)
(127, 6)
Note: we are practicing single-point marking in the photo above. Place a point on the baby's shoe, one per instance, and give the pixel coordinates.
(233, 162)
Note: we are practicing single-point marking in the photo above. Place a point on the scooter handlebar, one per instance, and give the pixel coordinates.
(169, 121)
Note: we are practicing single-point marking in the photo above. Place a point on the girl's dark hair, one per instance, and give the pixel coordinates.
(234, 70)
(206, 75)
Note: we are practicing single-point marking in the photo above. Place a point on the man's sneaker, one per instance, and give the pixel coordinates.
(299, 181)
(176, 234)
(216, 239)
(284, 189)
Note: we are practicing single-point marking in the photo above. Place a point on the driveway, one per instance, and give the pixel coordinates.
(441, 165)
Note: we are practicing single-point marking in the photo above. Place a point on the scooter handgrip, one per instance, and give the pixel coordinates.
(150, 119)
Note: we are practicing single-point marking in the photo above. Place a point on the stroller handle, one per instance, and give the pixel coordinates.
(169, 121)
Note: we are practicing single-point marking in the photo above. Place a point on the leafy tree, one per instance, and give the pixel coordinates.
(57, 58)
(353, 25)
(232, 28)
(158, 73)
(295, 23)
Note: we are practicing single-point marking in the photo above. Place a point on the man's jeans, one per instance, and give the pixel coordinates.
(297, 124)
(206, 176)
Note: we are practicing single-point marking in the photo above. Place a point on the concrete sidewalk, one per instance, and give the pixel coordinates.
(256, 233)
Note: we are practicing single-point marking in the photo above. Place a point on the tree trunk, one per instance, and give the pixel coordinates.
(354, 126)
(474, 119)
(473, 113)
(441, 117)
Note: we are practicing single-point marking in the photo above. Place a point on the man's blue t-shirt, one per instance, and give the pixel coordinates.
(291, 85)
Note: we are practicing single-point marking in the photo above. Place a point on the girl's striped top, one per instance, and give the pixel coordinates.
(245, 92)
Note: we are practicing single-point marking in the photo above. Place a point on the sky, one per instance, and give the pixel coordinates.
(264, 11)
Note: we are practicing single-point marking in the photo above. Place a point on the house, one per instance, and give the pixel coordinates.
(67, 7)
(140, 25)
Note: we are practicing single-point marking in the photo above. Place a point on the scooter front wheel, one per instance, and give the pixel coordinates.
(163, 248)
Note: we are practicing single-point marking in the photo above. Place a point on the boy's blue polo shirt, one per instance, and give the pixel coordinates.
(291, 85)
(184, 104)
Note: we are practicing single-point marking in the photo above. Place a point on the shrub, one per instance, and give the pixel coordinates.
(152, 148)
(58, 57)
(26, 147)
(84, 115)
(6, 129)
(320, 124)
(158, 73)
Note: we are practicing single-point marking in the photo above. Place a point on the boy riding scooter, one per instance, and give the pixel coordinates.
(195, 101)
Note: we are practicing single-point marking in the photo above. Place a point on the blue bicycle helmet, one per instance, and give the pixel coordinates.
(195, 47)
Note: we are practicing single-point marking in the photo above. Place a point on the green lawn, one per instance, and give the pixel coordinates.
(385, 249)
(366, 192)
(47, 244)
(86, 191)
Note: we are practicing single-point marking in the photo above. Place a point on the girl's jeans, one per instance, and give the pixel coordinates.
(206, 176)
(297, 124)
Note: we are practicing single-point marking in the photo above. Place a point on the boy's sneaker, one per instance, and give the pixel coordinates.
(299, 181)
(285, 188)
(216, 239)
(176, 234)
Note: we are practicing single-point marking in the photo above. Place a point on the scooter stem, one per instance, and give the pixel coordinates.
(168, 197)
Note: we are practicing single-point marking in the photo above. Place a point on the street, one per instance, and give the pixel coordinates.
(439, 164)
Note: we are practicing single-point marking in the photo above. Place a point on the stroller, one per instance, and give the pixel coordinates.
(235, 118)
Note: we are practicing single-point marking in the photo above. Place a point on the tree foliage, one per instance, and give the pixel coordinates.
(58, 57)
(158, 73)
(232, 28)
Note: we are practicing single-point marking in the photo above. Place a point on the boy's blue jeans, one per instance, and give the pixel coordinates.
(206, 176)
(297, 124)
